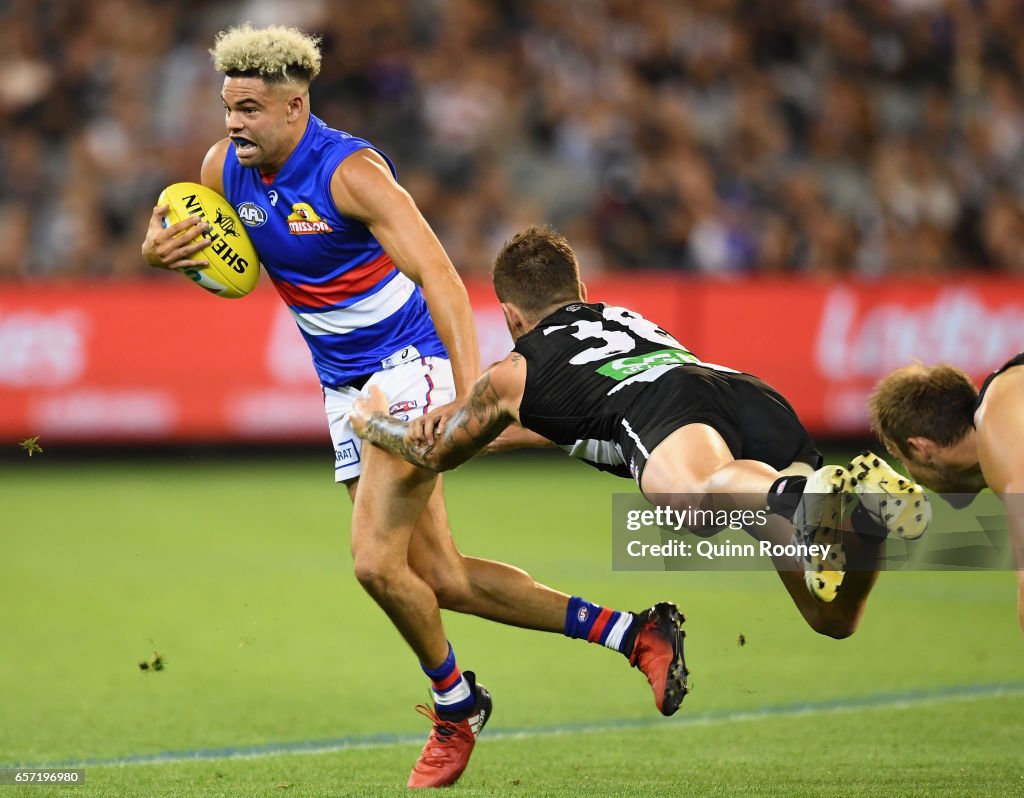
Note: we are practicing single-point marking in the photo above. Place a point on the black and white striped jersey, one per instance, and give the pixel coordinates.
(586, 365)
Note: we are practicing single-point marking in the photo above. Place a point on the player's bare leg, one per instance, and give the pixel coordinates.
(389, 499)
(696, 460)
(652, 640)
(694, 464)
(838, 618)
(485, 588)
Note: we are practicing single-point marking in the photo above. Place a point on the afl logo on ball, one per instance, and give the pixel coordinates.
(252, 214)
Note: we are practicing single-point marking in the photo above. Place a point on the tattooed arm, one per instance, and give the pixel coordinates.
(478, 419)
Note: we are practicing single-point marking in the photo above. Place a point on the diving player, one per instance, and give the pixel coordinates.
(619, 392)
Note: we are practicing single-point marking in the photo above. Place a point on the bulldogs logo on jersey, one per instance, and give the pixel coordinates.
(403, 408)
(303, 220)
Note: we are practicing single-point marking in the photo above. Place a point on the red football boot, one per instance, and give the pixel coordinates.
(658, 653)
(451, 741)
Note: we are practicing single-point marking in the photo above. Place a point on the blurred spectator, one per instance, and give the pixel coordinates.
(711, 136)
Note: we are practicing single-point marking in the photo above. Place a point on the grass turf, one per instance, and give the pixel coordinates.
(238, 574)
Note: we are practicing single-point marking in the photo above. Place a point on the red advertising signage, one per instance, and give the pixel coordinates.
(824, 346)
(163, 360)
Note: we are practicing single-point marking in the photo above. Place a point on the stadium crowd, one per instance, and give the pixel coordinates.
(707, 136)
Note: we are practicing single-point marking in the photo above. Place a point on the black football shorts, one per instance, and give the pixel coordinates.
(755, 420)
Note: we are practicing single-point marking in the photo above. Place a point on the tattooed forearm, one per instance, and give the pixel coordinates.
(480, 420)
(475, 424)
(390, 433)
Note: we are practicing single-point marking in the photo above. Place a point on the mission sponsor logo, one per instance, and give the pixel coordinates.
(251, 214)
(303, 220)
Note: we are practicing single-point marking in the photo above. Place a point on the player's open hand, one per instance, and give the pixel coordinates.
(173, 247)
(366, 406)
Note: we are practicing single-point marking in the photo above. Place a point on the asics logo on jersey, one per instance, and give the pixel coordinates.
(251, 214)
(303, 220)
(400, 357)
(273, 197)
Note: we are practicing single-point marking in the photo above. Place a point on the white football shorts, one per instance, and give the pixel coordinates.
(413, 388)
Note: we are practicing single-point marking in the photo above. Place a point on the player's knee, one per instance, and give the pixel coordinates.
(692, 502)
(374, 573)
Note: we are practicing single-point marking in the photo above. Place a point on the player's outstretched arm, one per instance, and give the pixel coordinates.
(1000, 428)
(515, 436)
(477, 420)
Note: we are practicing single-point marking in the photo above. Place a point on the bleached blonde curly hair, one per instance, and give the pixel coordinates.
(276, 54)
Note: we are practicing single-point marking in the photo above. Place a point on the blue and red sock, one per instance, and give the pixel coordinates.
(452, 693)
(597, 624)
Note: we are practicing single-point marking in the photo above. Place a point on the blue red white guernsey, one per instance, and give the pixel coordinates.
(356, 310)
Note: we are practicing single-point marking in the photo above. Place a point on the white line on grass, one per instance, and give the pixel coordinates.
(880, 701)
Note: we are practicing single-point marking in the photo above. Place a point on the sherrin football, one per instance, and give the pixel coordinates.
(234, 266)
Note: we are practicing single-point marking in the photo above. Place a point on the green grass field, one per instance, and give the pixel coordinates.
(283, 678)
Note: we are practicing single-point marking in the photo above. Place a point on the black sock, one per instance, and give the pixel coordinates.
(866, 526)
(784, 495)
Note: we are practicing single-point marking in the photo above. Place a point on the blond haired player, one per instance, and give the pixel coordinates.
(957, 440)
(379, 304)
